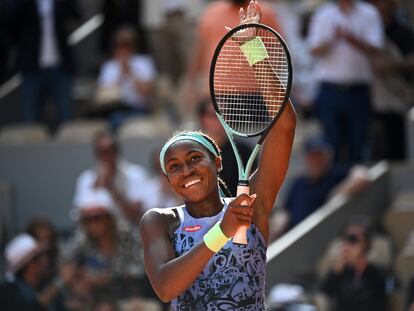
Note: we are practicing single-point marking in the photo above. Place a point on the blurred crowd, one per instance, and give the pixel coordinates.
(353, 77)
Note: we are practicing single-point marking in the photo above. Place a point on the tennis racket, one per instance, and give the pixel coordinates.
(250, 82)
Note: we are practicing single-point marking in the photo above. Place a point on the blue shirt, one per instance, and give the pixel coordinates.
(306, 195)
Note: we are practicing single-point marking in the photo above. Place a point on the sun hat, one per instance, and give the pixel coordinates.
(20, 251)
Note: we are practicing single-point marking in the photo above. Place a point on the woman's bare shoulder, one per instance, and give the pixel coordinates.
(160, 219)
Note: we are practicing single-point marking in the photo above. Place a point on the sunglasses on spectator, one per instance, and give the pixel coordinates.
(351, 238)
(95, 218)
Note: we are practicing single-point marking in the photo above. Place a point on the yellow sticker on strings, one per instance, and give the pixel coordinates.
(254, 51)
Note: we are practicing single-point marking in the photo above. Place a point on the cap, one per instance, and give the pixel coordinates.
(20, 250)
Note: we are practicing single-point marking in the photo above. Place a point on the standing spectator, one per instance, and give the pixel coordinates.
(211, 28)
(120, 13)
(393, 85)
(354, 283)
(120, 179)
(211, 125)
(343, 36)
(40, 30)
(107, 257)
(129, 75)
(27, 265)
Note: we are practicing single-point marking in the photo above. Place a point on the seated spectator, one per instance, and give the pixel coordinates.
(354, 283)
(27, 267)
(127, 79)
(107, 257)
(120, 179)
(310, 191)
(43, 231)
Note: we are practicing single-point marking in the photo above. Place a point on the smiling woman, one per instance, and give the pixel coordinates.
(189, 256)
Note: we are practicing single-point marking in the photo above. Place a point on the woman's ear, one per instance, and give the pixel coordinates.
(166, 177)
(219, 164)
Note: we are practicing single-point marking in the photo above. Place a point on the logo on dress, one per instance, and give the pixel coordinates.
(192, 228)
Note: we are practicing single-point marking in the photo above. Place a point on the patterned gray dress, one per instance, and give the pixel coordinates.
(233, 279)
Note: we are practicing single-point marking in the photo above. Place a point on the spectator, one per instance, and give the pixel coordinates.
(310, 191)
(43, 231)
(126, 79)
(343, 36)
(40, 30)
(120, 179)
(354, 283)
(107, 257)
(27, 267)
(393, 84)
(211, 125)
(118, 14)
(211, 28)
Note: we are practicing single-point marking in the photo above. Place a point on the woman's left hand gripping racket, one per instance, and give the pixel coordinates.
(250, 82)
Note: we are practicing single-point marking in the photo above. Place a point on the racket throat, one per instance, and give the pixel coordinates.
(240, 237)
(243, 187)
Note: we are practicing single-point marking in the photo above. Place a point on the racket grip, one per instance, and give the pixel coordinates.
(240, 237)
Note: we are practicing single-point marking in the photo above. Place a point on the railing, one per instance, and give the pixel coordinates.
(294, 256)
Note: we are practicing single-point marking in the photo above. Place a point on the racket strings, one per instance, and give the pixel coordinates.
(246, 95)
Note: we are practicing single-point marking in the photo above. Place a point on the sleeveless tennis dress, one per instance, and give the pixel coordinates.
(233, 279)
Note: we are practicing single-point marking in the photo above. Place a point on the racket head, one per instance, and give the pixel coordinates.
(235, 90)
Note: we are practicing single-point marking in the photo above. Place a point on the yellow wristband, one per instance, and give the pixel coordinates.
(254, 51)
(215, 239)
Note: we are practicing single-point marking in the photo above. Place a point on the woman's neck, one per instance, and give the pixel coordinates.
(207, 208)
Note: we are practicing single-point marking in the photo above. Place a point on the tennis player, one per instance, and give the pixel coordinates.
(188, 253)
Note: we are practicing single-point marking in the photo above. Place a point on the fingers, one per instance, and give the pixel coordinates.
(242, 16)
(251, 10)
(243, 210)
(243, 200)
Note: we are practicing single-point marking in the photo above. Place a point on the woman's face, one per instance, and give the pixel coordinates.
(191, 171)
(97, 226)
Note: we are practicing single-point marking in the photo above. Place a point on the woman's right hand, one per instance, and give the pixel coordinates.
(239, 213)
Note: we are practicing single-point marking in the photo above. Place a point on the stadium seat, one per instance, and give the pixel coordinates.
(22, 134)
(404, 265)
(146, 127)
(399, 220)
(80, 131)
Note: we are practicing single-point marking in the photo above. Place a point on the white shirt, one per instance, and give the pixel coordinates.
(142, 68)
(129, 179)
(49, 54)
(344, 63)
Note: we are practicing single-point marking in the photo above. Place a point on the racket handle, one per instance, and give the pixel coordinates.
(240, 237)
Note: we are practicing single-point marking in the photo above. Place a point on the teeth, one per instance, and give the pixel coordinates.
(190, 183)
